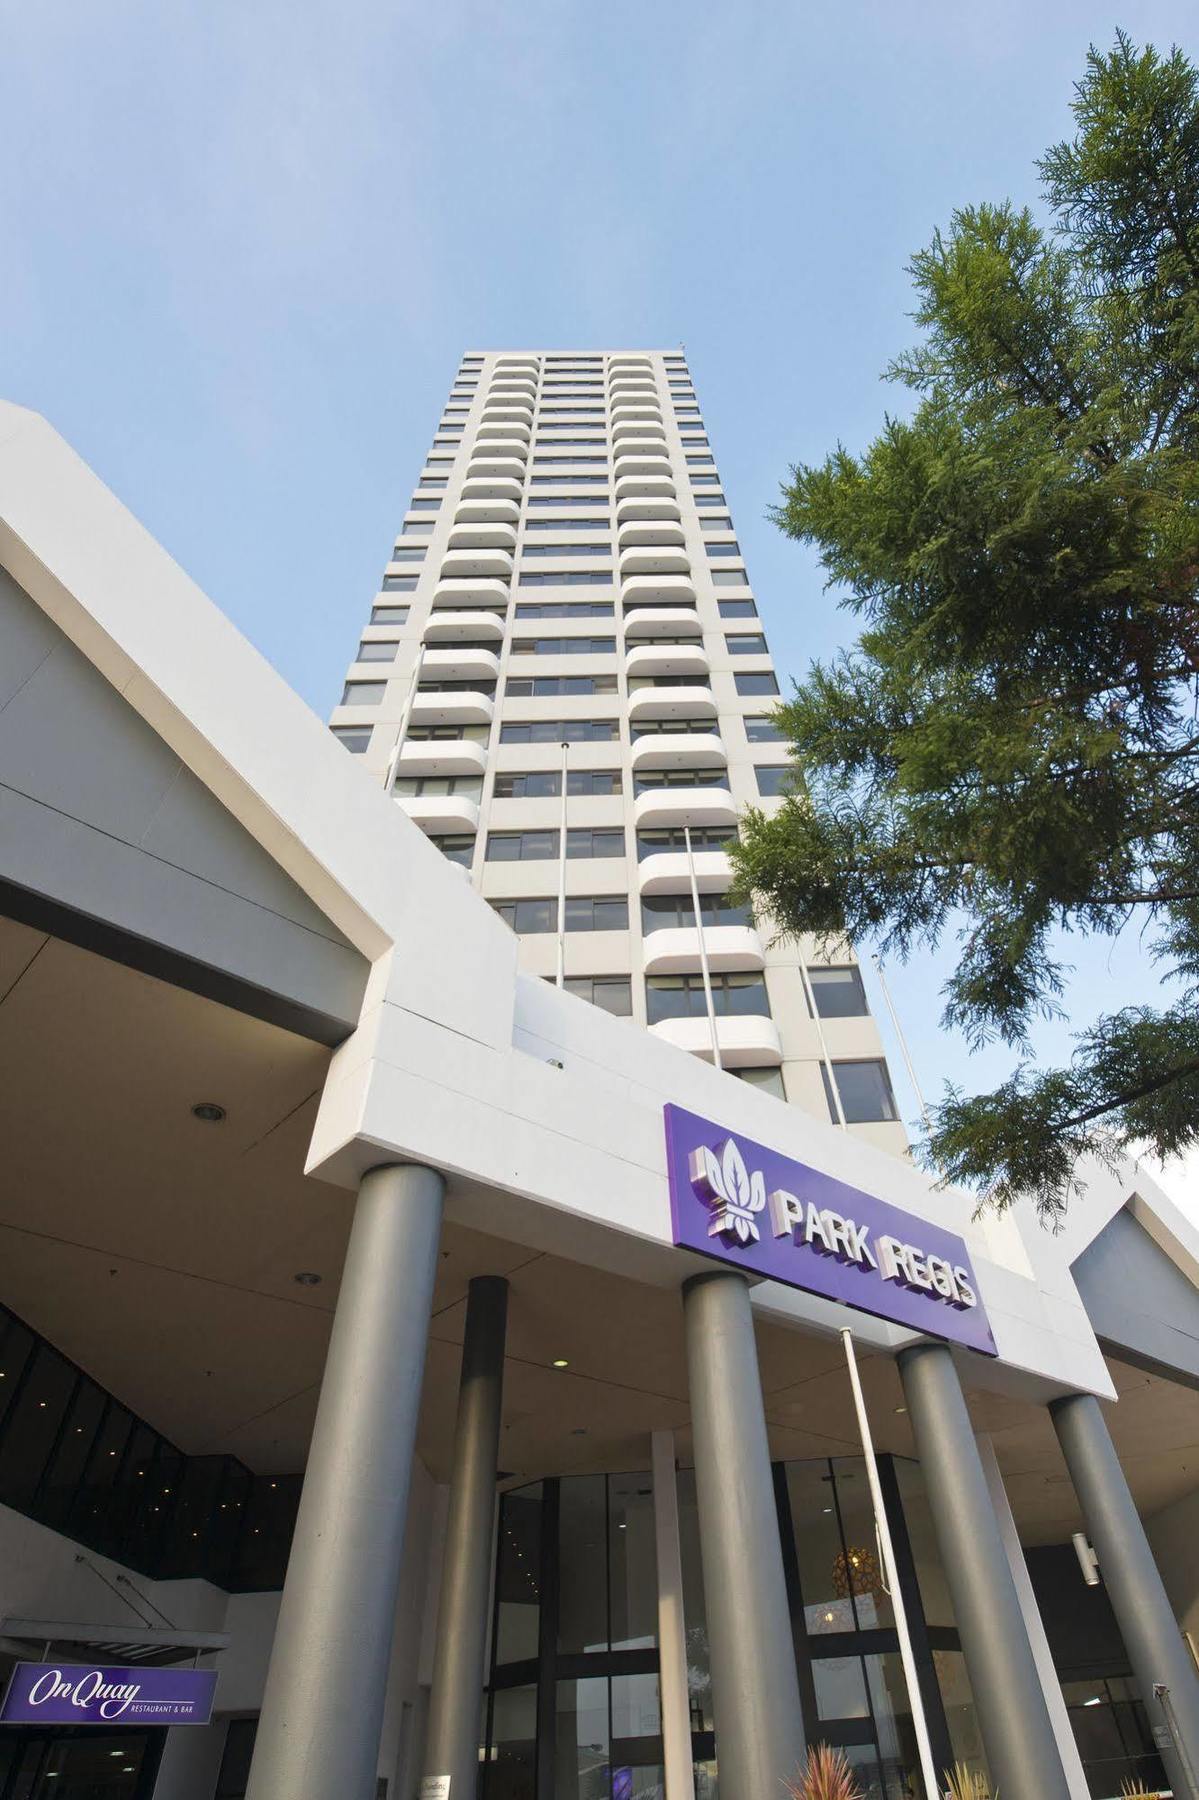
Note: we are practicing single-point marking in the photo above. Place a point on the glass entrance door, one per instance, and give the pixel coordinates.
(78, 1764)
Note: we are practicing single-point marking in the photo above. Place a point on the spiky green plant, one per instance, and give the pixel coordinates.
(963, 1783)
(826, 1776)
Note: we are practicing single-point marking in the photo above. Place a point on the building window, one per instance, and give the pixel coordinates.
(567, 578)
(567, 524)
(363, 693)
(745, 643)
(865, 1090)
(682, 997)
(637, 682)
(407, 556)
(774, 778)
(672, 728)
(567, 609)
(528, 784)
(521, 846)
(671, 838)
(457, 687)
(729, 578)
(769, 1079)
(765, 682)
(614, 993)
(838, 992)
(416, 528)
(699, 461)
(389, 615)
(377, 650)
(542, 686)
(680, 778)
(560, 731)
(398, 584)
(354, 738)
(763, 728)
(419, 504)
(718, 522)
(434, 481)
(547, 462)
(564, 481)
(733, 549)
(737, 609)
(604, 912)
(589, 842)
(466, 787)
(456, 847)
(663, 911)
(433, 734)
(550, 550)
(564, 646)
(528, 916)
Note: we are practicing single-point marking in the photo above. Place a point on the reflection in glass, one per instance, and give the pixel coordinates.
(636, 1708)
(859, 1572)
(582, 1565)
(581, 1740)
(512, 1765)
(840, 1687)
(633, 1562)
(517, 1578)
(699, 1676)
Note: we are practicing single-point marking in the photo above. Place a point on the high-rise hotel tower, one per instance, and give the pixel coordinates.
(567, 602)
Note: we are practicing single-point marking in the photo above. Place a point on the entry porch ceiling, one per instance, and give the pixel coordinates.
(160, 1254)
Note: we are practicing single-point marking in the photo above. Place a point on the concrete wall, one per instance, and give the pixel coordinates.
(106, 838)
(1174, 1535)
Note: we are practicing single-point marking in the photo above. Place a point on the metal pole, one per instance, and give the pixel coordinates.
(903, 1042)
(810, 994)
(452, 1736)
(1013, 1718)
(393, 761)
(882, 1528)
(1156, 1650)
(755, 1689)
(561, 979)
(703, 950)
(322, 1712)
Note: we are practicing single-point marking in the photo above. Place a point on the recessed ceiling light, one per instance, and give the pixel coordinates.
(578, 1431)
(208, 1111)
(308, 1278)
(901, 1409)
(560, 1362)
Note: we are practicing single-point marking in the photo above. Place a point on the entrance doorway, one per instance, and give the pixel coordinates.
(78, 1763)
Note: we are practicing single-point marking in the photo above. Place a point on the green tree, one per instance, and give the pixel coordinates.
(1011, 750)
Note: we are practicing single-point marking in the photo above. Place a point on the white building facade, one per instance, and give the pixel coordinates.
(567, 601)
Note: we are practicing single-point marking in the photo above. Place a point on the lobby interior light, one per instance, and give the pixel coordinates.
(308, 1278)
(208, 1112)
(560, 1362)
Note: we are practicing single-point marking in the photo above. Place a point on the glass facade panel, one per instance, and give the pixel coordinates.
(518, 1576)
(512, 1752)
(581, 1738)
(583, 1565)
(633, 1567)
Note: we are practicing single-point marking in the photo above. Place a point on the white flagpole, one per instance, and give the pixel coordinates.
(703, 951)
(903, 1042)
(561, 980)
(883, 1532)
(393, 761)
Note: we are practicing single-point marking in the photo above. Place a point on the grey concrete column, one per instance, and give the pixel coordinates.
(755, 1693)
(1139, 1600)
(452, 1738)
(1013, 1718)
(318, 1736)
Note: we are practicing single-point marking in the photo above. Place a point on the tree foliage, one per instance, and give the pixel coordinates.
(1013, 743)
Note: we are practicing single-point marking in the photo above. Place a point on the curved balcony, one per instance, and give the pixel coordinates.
(679, 806)
(499, 536)
(482, 590)
(648, 511)
(487, 512)
(503, 429)
(444, 627)
(665, 621)
(452, 663)
(497, 413)
(514, 383)
(638, 381)
(518, 362)
(445, 756)
(498, 464)
(495, 445)
(650, 531)
(650, 561)
(666, 659)
(629, 362)
(652, 485)
(498, 487)
(440, 812)
(747, 1042)
(463, 564)
(679, 750)
(643, 590)
(643, 435)
(466, 708)
(636, 412)
(674, 950)
(666, 872)
(672, 703)
(630, 462)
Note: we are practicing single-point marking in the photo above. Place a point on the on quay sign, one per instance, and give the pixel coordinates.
(768, 1215)
(80, 1694)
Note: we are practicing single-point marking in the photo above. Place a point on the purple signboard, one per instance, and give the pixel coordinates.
(771, 1216)
(80, 1694)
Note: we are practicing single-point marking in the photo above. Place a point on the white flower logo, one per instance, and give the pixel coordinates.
(721, 1178)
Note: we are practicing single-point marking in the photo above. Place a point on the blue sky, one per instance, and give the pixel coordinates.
(245, 244)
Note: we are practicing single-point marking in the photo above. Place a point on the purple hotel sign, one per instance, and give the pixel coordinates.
(770, 1216)
(80, 1694)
